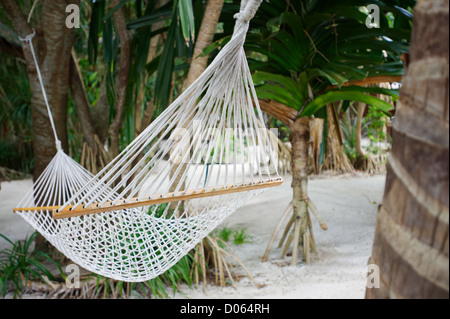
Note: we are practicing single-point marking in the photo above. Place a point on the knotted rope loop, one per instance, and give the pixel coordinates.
(29, 37)
(248, 10)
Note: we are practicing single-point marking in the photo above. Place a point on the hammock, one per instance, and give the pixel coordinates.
(202, 158)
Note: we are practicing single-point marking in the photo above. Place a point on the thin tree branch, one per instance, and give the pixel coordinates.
(82, 102)
(124, 68)
(315, 48)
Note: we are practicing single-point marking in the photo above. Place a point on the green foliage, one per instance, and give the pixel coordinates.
(375, 121)
(305, 54)
(179, 20)
(335, 96)
(166, 65)
(280, 88)
(373, 127)
(21, 264)
(240, 235)
(349, 138)
(156, 287)
(224, 234)
(158, 210)
(103, 55)
(16, 134)
(186, 14)
(9, 156)
(299, 50)
(320, 46)
(177, 274)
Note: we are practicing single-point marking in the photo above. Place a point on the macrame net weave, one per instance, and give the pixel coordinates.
(202, 158)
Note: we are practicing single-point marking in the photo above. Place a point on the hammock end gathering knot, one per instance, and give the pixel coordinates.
(248, 10)
(58, 145)
(29, 37)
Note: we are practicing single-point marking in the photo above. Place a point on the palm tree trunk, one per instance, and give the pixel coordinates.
(412, 236)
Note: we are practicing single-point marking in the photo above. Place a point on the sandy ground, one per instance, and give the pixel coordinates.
(12, 225)
(348, 205)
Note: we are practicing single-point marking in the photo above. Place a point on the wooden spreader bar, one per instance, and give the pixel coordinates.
(94, 208)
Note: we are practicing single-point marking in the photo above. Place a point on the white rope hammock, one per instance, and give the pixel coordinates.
(202, 158)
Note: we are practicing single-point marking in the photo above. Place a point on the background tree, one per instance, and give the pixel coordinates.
(313, 55)
(53, 43)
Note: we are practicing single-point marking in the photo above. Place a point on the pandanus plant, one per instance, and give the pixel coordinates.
(312, 54)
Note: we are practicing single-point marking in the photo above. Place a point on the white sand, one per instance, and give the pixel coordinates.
(348, 205)
(12, 225)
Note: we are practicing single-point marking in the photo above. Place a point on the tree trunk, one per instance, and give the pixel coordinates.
(143, 119)
(100, 112)
(121, 86)
(300, 138)
(412, 236)
(53, 43)
(204, 39)
(361, 107)
(302, 129)
(336, 159)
